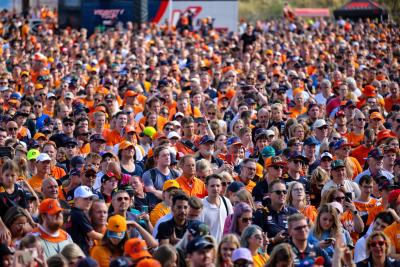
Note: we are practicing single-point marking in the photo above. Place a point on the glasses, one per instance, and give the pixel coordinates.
(119, 199)
(280, 192)
(70, 146)
(361, 119)
(277, 167)
(247, 220)
(251, 169)
(323, 128)
(97, 99)
(298, 144)
(212, 113)
(297, 162)
(339, 199)
(68, 124)
(300, 228)
(12, 129)
(37, 106)
(377, 243)
(168, 129)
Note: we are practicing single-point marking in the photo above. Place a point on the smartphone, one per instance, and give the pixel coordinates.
(329, 240)
(348, 196)
(145, 209)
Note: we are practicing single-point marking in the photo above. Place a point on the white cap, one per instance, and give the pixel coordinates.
(43, 157)
(83, 192)
(270, 132)
(176, 123)
(179, 114)
(337, 206)
(69, 95)
(173, 134)
(94, 62)
(4, 88)
(319, 123)
(326, 154)
(49, 95)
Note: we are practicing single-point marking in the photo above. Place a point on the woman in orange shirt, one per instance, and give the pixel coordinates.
(297, 199)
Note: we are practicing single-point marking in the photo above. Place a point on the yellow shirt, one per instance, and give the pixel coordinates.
(260, 260)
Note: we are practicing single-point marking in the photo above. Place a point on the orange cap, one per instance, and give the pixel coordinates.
(136, 248)
(376, 115)
(149, 263)
(39, 135)
(50, 206)
(125, 144)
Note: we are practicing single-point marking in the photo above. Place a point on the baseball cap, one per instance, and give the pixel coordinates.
(75, 172)
(340, 113)
(179, 114)
(383, 135)
(337, 206)
(206, 139)
(199, 243)
(77, 160)
(340, 143)
(337, 164)
(149, 262)
(173, 134)
(71, 141)
(295, 155)
(268, 151)
(69, 95)
(234, 141)
(393, 196)
(50, 206)
(326, 154)
(5, 250)
(116, 227)
(242, 254)
(235, 186)
(50, 95)
(124, 145)
(67, 119)
(43, 157)
(87, 262)
(136, 248)
(197, 228)
(274, 161)
(39, 135)
(170, 184)
(149, 131)
(386, 184)
(319, 123)
(261, 134)
(108, 176)
(375, 153)
(310, 141)
(32, 154)
(376, 115)
(97, 137)
(83, 192)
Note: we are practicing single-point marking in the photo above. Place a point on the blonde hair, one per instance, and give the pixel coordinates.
(72, 251)
(289, 198)
(281, 252)
(245, 196)
(381, 234)
(336, 226)
(229, 238)
(319, 175)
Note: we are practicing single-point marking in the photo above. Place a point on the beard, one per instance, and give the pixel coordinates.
(54, 226)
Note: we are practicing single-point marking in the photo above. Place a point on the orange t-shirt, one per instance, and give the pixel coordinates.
(373, 212)
(161, 121)
(113, 138)
(360, 153)
(249, 186)
(393, 232)
(390, 101)
(354, 139)
(310, 212)
(294, 112)
(57, 172)
(85, 149)
(36, 183)
(47, 111)
(186, 150)
(194, 188)
(347, 221)
(364, 208)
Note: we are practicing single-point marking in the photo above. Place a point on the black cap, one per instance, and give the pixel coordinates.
(97, 137)
(235, 186)
(71, 141)
(197, 244)
(67, 119)
(197, 228)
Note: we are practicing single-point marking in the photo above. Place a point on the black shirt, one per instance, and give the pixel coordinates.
(166, 230)
(388, 263)
(78, 228)
(306, 183)
(149, 200)
(17, 198)
(272, 222)
(311, 252)
(260, 191)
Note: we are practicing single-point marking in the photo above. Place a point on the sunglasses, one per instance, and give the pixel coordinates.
(70, 146)
(168, 129)
(85, 134)
(12, 129)
(246, 220)
(212, 113)
(361, 119)
(280, 192)
(323, 128)
(277, 167)
(68, 124)
(119, 199)
(37, 106)
(377, 243)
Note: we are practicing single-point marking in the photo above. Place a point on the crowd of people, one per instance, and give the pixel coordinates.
(147, 145)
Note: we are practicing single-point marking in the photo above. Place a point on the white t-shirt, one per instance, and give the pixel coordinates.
(215, 216)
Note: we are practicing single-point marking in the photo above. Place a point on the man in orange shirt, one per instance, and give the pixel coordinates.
(116, 135)
(393, 231)
(355, 137)
(361, 152)
(189, 141)
(187, 181)
(43, 167)
(247, 173)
